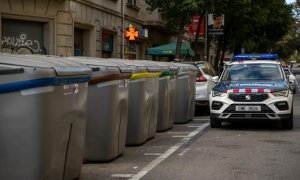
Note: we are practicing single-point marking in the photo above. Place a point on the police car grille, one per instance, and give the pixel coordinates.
(253, 97)
(264, 109)
(248, 116)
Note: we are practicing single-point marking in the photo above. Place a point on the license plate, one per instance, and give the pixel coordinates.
(248, 108)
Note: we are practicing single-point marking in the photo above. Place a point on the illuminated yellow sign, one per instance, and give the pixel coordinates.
(132, 33)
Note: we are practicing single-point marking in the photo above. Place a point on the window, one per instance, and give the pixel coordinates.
(107, 44)
(207, 69)
(83, 45)
(132, 2)
(253, 72)
(78, 42)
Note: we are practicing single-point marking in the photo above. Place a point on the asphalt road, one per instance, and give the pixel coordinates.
(195, 151)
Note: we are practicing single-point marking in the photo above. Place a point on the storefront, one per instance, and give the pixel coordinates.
(84, 38)
(78, 42)
(23, 37)
(107, 44)
(132, 50)
(135, 42)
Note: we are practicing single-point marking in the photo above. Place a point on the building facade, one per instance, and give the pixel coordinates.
(80, 28)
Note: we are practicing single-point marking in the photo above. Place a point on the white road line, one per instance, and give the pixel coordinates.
(180, 136)
(122, 175)
(194, 126)
(184, 151)
(152, 154)
(181, 132)
(166, 154)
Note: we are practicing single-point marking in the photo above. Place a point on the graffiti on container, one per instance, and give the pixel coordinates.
(22, 41)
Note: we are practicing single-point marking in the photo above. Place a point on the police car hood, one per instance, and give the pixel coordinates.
(273, 86)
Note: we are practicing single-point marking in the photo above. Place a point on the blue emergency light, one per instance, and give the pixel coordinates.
(240, 57)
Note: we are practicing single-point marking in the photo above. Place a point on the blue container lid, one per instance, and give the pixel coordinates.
(19, 72)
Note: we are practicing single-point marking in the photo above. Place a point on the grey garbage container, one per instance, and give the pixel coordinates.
(107, 109)
(143, 101)
(185, 93)
(166, 104)
(192, 89)
(43, 117)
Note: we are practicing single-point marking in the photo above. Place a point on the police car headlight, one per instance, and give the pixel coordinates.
(218, 93)
(281, 93)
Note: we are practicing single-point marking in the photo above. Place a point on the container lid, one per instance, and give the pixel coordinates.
(136, 68)
(101, 62)
(139, 64)
(151, 67)
(59, 65)
(166, 66)
(21, 72)
(62, 66)
(186, 67)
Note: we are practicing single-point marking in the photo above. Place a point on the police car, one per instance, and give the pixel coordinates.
(253, 86)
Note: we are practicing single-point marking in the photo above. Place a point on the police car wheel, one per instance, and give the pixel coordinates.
(288, 123)
(215, 123)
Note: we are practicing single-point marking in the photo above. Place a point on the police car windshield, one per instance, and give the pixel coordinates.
(252, 72)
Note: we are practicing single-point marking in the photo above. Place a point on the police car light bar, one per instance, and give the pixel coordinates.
(255, 57)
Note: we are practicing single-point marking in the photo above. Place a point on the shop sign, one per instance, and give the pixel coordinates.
(132, 33)
(192, 28)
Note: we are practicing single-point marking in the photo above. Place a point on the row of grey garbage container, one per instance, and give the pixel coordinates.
(57, 111)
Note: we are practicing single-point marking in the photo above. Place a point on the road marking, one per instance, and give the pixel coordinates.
(152, 154)
(184, 132)
(184, 151)
(180, 136)
(194, 126)
(169, 152)
(122, 175)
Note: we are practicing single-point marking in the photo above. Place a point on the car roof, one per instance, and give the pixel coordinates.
(255, 62)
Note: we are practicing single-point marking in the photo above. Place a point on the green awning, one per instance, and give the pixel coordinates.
(169, 50)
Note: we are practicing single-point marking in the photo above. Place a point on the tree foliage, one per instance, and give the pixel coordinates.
(178, 13)
(174, 10)
(288, 47)
(254, 25)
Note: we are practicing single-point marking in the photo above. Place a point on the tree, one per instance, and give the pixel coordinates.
(288, 47)
(178, 14)
(254, 25)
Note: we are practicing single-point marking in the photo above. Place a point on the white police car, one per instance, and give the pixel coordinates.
(253, 86)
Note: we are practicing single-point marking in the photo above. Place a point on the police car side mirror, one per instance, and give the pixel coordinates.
(215, 79)
(292, 79)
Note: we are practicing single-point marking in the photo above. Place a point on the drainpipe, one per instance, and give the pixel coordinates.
(122, 30)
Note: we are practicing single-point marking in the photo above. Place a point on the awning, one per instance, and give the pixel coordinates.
(169, 50)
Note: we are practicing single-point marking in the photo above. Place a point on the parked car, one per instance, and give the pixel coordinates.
(253, 87)
(204, 83)
(292, 78)
(296, 69)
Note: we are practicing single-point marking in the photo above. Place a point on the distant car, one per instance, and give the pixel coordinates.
(296, 70)
(292, 77)
(204, 83)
